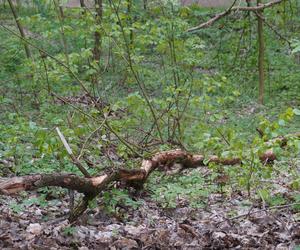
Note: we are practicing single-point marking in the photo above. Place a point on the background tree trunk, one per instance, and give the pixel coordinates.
(20, 27)
(97, 45)
(261, 55)
(82, 4)
(61, 18)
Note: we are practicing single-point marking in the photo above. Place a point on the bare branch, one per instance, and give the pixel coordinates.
(259, 7)
(231, 9)
(214, 19)
(20, 27)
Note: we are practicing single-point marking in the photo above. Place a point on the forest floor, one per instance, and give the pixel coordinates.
(226, 221)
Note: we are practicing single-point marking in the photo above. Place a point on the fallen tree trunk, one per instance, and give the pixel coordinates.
(92, 186)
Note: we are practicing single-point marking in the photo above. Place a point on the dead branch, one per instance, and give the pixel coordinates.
(233, 9)
(259, 7)
(30, 182)
(92, 186)
(214, 19)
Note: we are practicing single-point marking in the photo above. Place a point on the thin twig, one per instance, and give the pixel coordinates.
(274, 30)
(74, 159)
(106, 124)
(75, 77)
(223, 136)
(88, 138)
(135, 74)
(49, 55)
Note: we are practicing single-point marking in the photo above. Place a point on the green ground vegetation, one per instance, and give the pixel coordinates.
(156, 87)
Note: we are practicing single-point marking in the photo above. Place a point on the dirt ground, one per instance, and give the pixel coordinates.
(223, 224)
(225, 221)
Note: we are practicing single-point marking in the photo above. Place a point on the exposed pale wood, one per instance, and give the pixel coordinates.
(96, 184)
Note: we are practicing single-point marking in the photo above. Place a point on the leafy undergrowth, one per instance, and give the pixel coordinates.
(211, 88)
(161, 217)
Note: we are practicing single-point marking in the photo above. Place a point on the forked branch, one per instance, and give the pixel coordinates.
(233, 9)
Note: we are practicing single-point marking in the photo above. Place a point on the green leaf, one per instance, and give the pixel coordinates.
(296, 111)
(281, 122)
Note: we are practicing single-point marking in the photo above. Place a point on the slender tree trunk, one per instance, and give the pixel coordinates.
(261, 55)
(82, 4)
(20, 27)
(97, 45)
(129, 7)
(61, 17)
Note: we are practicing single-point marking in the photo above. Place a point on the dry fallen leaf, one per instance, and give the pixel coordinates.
(34, 228)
